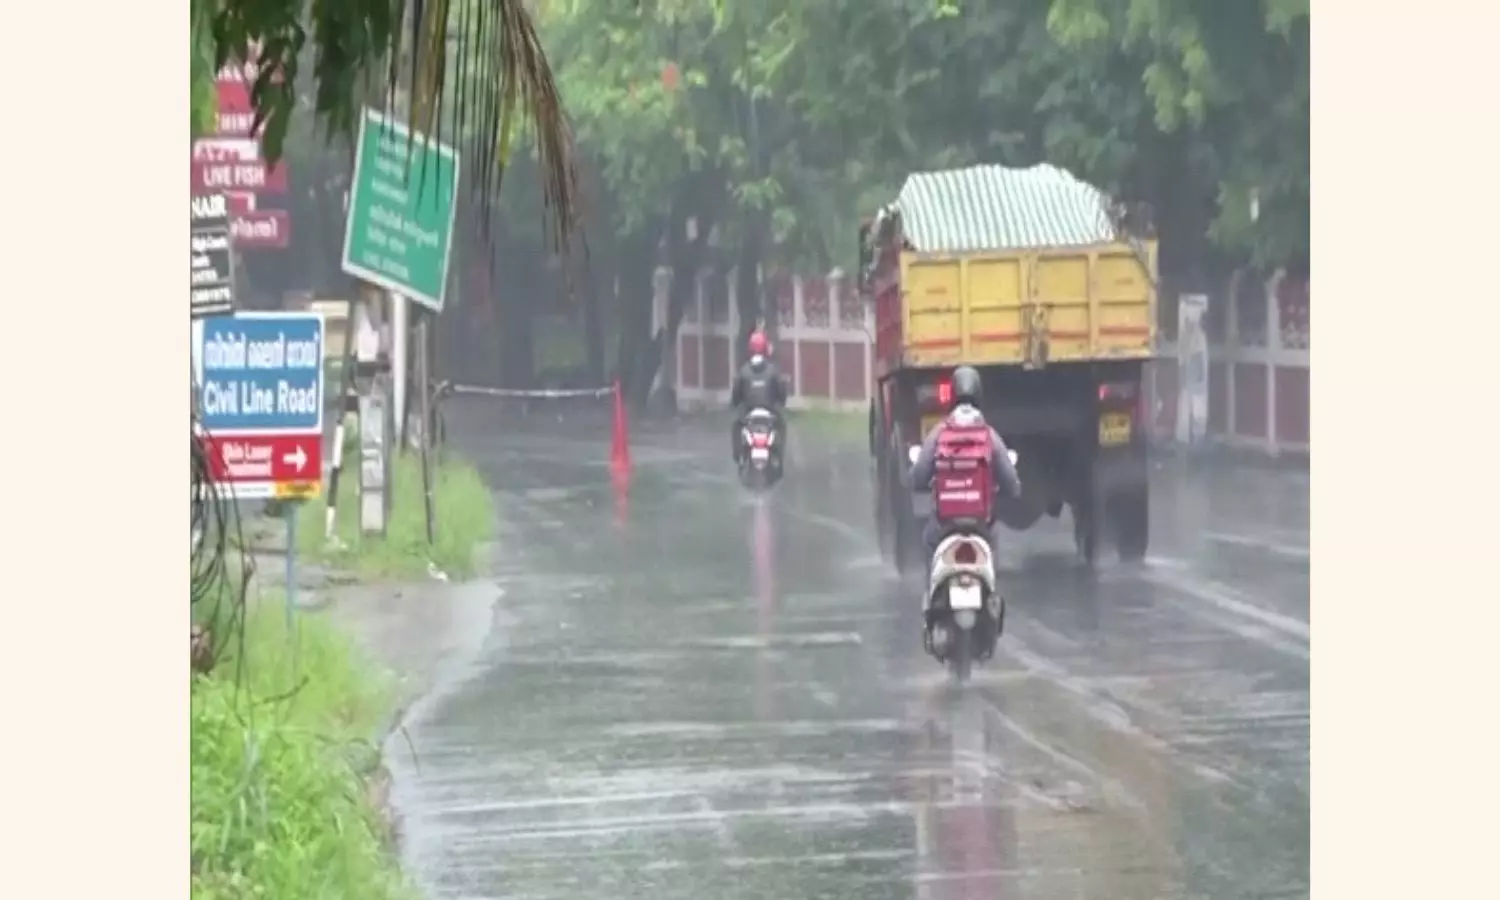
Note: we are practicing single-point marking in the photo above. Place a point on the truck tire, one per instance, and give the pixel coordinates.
(1087, 523)
(902, 545)
(1086, 535)
(1130, 523)
(884, 536)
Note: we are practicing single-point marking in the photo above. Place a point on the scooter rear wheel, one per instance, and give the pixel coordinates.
(960, 657)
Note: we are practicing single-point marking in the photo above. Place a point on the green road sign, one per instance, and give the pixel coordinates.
(399, 229)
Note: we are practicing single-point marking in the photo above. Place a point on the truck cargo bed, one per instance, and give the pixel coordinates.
(1029, 307)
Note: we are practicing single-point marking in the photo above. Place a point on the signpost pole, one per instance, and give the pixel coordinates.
(424, 386)
(398, 238)
(291, 564)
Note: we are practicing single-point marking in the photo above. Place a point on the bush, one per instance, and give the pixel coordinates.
(282, 739)
(465, 519)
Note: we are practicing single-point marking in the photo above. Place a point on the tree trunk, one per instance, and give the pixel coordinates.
(592, 287)
(638, 258)
(748, 294)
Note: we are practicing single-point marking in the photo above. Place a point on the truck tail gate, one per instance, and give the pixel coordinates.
(1002, 308)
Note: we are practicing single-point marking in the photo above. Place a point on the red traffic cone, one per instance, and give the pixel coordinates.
(619, 450)
(620, 479)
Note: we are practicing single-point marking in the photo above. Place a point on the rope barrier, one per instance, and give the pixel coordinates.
(473, 390)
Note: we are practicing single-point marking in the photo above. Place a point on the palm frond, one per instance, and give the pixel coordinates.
(501, 81)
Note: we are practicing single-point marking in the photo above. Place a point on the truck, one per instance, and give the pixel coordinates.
(1026, 275)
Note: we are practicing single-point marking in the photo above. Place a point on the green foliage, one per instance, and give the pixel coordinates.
(203, 100)
(282, 737)
(1229, 82)
(465, 519)
(814, 113)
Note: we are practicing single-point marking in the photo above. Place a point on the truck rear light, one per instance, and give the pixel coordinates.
(945, 392)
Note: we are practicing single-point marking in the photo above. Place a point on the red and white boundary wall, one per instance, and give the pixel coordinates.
(1258, 339)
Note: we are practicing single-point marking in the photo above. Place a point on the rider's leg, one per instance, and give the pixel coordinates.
(999, 588)
(931, 537)
(995, 537)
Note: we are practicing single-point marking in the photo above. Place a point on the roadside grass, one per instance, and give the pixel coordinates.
(283, 737)
(462, 506)
(829, 427)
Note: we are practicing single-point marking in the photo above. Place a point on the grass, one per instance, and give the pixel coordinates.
(461, 503)
(283, 736)
(828, 426)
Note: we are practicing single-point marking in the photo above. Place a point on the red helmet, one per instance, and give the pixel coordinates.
(759, 346)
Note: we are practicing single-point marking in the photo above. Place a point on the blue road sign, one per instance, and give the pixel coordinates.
(261, 373)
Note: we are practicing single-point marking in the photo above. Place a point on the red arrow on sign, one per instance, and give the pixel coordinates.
(265, 459)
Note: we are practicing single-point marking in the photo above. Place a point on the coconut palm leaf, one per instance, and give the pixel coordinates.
(478, 63)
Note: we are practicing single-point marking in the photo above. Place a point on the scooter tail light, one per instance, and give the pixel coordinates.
(965, 554)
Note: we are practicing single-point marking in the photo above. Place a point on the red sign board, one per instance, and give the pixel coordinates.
(261, 229)
(240, 202)
(226, 149)
(234, 97)
(235, 124)
(272, 459)
(253, 177)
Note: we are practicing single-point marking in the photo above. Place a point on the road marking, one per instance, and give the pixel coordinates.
(1168, 574)
(1278, 548)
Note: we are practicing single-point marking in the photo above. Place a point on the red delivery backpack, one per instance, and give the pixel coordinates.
(961, 488)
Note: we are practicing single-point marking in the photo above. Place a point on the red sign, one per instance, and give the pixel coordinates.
(234, 97)
(226, 149)
(266, 459)
(235, 124)
(261, 229)
(253, 177)
(239, 202)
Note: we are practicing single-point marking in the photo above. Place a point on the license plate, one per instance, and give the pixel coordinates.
(1114, 429)
(760, 453)
(964, 597)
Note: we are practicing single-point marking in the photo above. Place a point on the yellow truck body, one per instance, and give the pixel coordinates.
(1001, 266)
(1029, 307)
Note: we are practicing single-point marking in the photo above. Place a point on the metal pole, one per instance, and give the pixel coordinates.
(424, 369)
(291, 564)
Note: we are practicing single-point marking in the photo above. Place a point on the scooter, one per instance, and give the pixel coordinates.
(963, 612)
(760, 457)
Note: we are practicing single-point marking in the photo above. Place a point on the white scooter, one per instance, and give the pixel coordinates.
(761, 462)
(962, 609)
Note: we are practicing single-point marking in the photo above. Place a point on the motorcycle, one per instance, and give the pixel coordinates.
(760, 457)
(963, 612)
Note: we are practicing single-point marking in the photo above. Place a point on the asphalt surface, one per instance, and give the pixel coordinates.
(698, 695)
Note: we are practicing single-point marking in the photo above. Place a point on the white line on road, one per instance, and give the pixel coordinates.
(1278, 548)
(1168, 573)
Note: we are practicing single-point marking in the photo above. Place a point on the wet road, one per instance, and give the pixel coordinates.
(704, 697)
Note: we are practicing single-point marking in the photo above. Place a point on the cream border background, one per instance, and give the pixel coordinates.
(94, 766)
(1406, 762)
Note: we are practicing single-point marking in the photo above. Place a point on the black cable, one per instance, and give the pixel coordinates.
(220, 564)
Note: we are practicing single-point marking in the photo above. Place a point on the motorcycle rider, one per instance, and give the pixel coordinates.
(963, 413)
(757, 385)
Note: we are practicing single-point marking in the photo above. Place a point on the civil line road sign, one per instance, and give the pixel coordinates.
(260, 401)
(399, 230)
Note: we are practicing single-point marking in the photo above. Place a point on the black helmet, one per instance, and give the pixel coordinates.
(967, 386)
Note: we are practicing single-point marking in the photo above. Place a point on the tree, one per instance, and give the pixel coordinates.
(1227, 89)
